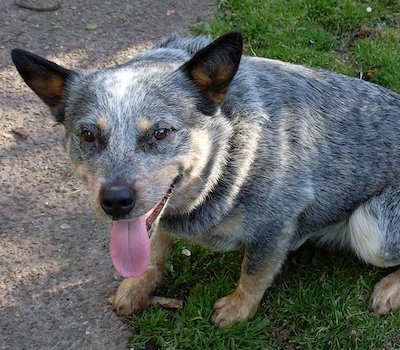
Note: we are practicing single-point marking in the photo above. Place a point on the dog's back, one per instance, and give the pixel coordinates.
(334, 136)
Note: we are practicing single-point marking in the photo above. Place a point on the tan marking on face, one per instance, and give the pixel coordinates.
(144, 125)
(93, 184)
(83, 173)
(101, 122)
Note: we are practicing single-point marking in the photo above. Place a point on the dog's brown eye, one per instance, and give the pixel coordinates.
(88, 136)
(161, 133)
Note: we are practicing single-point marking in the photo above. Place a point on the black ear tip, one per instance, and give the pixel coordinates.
(234, 36)
(234, 40)
(17, 55)
(237, 35)
(18, 52)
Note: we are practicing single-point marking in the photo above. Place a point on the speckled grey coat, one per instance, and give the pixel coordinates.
(255, 154)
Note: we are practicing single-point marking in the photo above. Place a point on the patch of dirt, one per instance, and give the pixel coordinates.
(55, 270)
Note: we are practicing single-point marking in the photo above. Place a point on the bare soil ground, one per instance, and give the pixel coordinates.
(55, 270)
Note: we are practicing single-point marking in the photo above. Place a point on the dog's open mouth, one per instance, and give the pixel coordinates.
(130, 241)
(153, 214)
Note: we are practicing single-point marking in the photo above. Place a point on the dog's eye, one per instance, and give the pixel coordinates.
(161, 133)
(88, 136)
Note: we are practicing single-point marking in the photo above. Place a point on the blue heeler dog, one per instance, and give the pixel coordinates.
(191, 139)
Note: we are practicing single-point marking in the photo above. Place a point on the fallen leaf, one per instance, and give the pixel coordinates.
(56, 26)
(167, 303)
(91, 26)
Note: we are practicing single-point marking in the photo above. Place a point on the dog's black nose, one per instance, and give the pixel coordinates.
(117, 201)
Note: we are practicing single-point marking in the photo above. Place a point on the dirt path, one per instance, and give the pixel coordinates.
(55, 271)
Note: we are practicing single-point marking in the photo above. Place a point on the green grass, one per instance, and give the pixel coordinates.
(338, 35)
(320, 300)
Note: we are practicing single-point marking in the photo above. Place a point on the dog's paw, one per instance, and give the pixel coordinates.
(386, 294)
(232, 308)
(133, 294)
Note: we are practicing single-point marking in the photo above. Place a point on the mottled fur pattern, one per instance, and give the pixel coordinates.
(265, 154)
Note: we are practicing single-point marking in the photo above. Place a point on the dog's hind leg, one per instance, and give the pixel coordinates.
(374, 230)
(135, 293)
(257, 274)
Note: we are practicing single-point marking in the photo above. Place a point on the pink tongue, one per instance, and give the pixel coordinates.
(130, 246)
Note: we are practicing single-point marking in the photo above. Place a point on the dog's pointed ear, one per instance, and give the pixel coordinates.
(213, 67)
(47, 79)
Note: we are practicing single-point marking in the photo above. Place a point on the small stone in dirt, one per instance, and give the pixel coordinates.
(64, 227)
(21, 133)
(106, 325)
(38, 5)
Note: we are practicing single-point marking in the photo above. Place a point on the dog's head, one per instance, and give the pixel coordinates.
(141, 134)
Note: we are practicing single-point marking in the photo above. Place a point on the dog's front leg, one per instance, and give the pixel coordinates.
(135, 293)
(257, 273)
